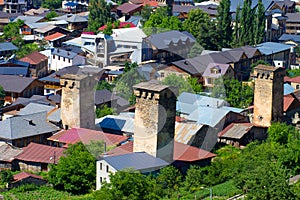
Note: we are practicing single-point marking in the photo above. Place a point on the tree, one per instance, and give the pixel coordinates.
(12, 32)
(97, 147)
(237, 30)
(196, 50)
(260, 23)
(224, 21)
(27, 49)
(194, 178)
(6, 177)
(102, 85)
(246, 23)
(2, 96)
(128, 184)
(103, 111)
(146, 13)
(51, 15)
(75, 172)
(179, 82)
(195, 85)
(161, 22)
(281, 133)
(202, 28)
(52, 4)
(233, 91)
(99, 14)
(170, 179)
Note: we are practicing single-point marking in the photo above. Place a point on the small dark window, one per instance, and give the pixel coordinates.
(100, 166)
(107, 168)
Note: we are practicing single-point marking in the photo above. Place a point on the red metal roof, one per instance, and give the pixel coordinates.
(23, 175)
(182, 152)
(83, 135)
(288, 101)
(122, 25)
(54, 36)
(40, 153)
(34, 58)
(293, 80)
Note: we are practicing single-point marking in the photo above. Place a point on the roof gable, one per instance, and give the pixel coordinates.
(34, 58)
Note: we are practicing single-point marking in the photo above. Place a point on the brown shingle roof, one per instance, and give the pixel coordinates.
(40, 153)
(34, 58)
(23, 175)
(128, 7)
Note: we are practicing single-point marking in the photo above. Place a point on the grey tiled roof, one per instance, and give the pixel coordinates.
(29, 19)
(15, 83)
(293, 17)
(35, 108)
(162, 40)
(137, 160)
(25, 126)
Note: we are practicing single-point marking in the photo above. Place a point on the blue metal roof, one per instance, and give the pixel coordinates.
(208, 115)
(287, 89)
(7, 46)
(286, 37)
(269, 48)
(50, 79)
(140, 161)
(18, 71)
(72, 4)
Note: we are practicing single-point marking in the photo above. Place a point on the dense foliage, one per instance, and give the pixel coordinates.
(52, 4)
(99, 14)
(224, 24)
(159, 22)
(76, 172)
(51, 15)
(104, 110)
(233, 91)
(184, 85)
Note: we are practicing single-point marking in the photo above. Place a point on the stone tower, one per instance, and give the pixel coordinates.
(77, 101)
(268, 95)
(154, 122)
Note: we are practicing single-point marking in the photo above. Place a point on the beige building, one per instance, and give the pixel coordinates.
(77, 101)
(155, 120)
(268, 95)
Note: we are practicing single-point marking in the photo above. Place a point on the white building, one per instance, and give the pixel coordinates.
(140, 161)
(123, 45)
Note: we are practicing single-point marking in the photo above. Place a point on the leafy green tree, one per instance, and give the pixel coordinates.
(6, 177)
(196, 50)
(27, 49)
(281, 133)
(161, 22)
(170, 179)
(124, 83)
(108, 29)
(52, 4)
(97, 147)
(76, 172)
(202, 28)
(233, 91)
(195, 85)
(51, 15)
(104, 85)
(194, 178)
(103, 111)
(2, 96)
(260, 23)
(99, 14)
(179, 82)
(237, 30)
(246, 23)
(12, 32)
(224, 21)
(128, 184)
(146, 13)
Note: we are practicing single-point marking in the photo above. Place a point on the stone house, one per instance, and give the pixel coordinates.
(36, 157)
(15, 86)
(38, 64)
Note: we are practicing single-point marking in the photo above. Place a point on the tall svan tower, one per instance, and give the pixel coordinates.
(268, 95)
(77, 101)
(154, 122)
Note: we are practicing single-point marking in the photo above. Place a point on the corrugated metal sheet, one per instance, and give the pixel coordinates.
(185, 131)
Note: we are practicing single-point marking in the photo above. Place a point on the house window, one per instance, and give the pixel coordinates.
(69, 60)
(107, 168)
(101, 180)
(162, 75)
(209, 81)
(53, 56)
(297, 87)
(100, 166)
(58, 57)
(64, 59)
